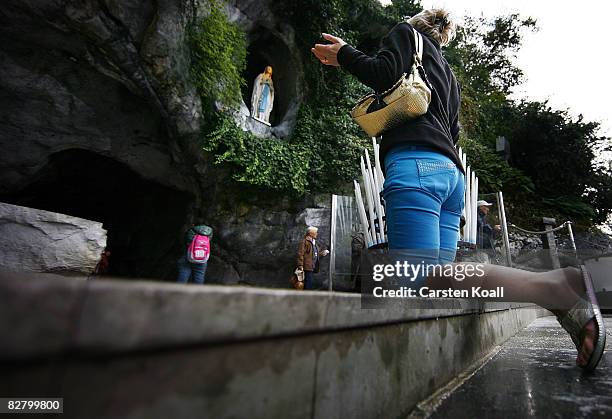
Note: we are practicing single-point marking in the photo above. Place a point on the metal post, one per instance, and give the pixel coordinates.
(465, 199)
(571, 234)
(499, 216)
(548, 241)
(474, 208)
(504, 226)
(468, 207)
(332, 250)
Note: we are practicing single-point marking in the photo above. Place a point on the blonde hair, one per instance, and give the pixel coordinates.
(311, 229)
(435, 23)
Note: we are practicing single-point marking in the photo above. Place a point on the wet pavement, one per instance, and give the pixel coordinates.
(534, 376)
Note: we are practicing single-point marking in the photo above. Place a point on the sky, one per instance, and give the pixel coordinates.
(572, 71)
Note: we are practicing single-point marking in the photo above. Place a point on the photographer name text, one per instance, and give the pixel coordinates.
(425, 292)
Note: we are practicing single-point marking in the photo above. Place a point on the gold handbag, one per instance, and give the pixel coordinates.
(407, 99)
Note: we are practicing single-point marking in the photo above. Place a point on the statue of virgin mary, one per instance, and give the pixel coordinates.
(262, 99)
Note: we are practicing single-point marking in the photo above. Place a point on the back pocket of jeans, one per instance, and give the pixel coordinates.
(436, 176)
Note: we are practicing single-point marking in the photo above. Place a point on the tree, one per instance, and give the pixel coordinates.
(482, 57)
(557, 152)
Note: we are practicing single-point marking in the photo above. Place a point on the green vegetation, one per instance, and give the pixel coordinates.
(551, 171)
(264, 162)
(219, 57)
(493, 172)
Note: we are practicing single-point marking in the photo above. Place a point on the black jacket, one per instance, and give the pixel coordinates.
(380, 72)
(485, 234)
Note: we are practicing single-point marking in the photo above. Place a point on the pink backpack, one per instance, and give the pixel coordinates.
(199, 249)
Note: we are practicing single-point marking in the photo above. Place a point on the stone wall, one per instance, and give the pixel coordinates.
(520, 243)
(256, 238)
(239, 352)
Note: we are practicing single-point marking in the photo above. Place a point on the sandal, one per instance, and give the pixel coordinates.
(575, 320)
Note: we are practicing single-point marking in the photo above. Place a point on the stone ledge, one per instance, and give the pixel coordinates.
(49, 315)
(362, 373)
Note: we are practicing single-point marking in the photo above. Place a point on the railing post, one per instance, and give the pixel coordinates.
(571, 234)
(504, 225)
(332, 241)
(548, 241)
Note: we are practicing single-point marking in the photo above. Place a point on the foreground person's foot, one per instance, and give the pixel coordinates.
(589, 335)
(585, 325)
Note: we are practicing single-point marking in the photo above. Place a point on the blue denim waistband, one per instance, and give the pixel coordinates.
(412, 146)
(415, 151)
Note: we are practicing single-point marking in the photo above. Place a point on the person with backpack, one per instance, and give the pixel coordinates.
(194, 261)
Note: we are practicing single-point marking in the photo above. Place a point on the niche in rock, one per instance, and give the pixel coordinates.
(143, 218)
(267, 49)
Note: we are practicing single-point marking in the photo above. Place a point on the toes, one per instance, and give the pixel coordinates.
(588, 344)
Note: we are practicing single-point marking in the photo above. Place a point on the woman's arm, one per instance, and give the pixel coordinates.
(379, 72)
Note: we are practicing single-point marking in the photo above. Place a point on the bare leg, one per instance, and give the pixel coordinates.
(556, 290)
(553, 290)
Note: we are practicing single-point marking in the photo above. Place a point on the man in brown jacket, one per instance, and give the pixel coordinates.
(308, 256)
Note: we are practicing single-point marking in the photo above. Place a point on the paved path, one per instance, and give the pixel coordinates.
(534, 376)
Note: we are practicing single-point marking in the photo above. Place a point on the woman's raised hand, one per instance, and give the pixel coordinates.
(328, 53)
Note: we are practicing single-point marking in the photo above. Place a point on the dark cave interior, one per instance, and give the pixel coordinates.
(143, 219)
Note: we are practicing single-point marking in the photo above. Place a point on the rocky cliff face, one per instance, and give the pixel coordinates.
(99, 119)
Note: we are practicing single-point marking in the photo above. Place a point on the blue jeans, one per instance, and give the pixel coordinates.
(424, 198)
(186, 269)
(308, 280)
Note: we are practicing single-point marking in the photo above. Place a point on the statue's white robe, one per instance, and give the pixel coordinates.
(255, 97)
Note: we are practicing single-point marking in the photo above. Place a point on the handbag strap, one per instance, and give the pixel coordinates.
(418, 57)
(418, 44)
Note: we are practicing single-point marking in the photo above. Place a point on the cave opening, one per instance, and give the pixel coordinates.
(143, 218)
(265, 48)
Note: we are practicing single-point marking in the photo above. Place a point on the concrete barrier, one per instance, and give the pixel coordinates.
(122, 349)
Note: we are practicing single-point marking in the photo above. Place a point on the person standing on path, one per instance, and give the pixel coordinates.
(308, 258)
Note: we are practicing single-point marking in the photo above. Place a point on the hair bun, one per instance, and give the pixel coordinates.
(435, 23)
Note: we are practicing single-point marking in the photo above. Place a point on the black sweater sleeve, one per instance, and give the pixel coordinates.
(455, 126)
(387, 66)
